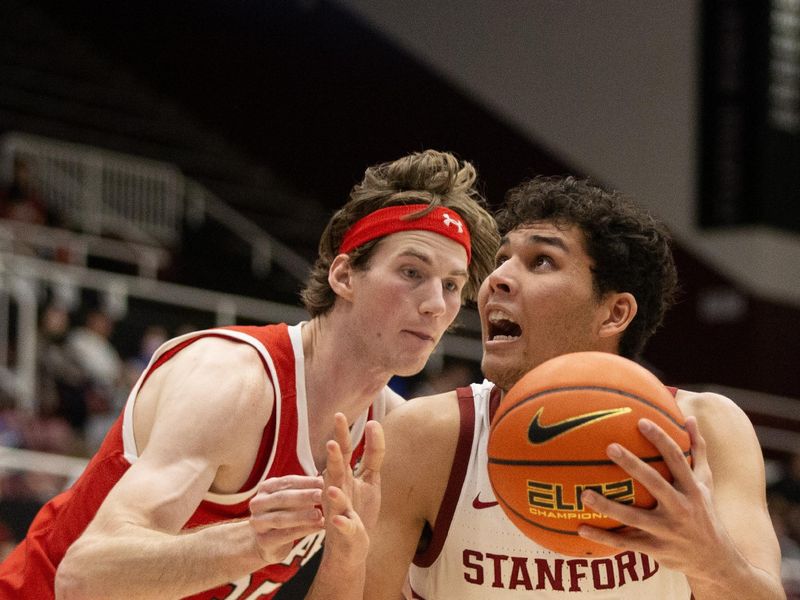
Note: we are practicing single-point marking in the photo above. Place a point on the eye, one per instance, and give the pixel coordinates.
(411, 273)
(452, 286)
(500, 259)
(542, 261)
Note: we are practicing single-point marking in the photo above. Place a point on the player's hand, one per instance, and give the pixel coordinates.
(683, 524)
(283, 510)
(352, 502)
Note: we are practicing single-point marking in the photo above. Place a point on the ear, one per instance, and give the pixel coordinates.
(620, 310)
(340, 276)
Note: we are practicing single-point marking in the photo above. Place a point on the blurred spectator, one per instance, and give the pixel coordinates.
(19, 200)
(52, 435)
(7, 541)
(90, 346)
(23, 492)
(11, 428)
(60, 380)
(152, 337)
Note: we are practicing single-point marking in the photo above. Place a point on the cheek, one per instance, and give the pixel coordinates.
(453, 306)
(391, 291)
(549, 320)
(572, 322)
(394, 300)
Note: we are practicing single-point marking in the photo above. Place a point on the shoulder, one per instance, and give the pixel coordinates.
(434, 417)
(421, 439)
(713, 411)
(729, 435)
(225, 361)
(220, 382)
(210, 345)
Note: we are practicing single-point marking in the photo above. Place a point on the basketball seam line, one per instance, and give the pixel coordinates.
(570, 463)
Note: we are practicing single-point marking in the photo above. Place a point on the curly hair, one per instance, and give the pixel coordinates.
(429, 177)
(630, 250)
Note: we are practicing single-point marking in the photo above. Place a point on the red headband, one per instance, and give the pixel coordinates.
(385, 221)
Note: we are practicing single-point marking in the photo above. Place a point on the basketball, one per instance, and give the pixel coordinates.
(548, 440)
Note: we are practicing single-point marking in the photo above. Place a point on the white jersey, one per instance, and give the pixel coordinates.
(475, 552)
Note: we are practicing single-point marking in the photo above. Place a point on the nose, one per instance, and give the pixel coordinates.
(433, 302)
(501, 279)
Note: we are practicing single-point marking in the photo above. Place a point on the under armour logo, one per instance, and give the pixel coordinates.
(448, 220)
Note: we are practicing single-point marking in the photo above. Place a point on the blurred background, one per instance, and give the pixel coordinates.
(167, 166)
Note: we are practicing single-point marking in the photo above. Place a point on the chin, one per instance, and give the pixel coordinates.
(410, 369)
(503, 376)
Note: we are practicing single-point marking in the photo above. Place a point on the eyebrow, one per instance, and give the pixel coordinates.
(537, 238)
(427, 260)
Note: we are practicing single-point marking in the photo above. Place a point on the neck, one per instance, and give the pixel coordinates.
(339, 377)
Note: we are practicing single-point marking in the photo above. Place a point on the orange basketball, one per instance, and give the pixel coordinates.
(548, 443)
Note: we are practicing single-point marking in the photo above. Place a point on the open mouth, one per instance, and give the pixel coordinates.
(502, 327)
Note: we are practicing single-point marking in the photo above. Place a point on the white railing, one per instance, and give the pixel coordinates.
(21, 276)
(102, 192)
(16, 459)
(264, 248)
(62, 469)
(76, 248)
(138, 199)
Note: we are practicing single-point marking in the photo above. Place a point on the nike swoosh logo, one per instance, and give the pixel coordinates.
(479, 504)
(539, 434)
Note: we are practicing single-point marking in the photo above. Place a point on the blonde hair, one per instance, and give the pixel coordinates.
(429, 177)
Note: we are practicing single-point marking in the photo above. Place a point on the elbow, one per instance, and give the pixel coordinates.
(67, 585)
(72, 579)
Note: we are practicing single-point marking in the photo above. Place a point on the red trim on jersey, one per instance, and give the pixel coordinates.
(358, 451)
(458, 472)
(494, 401)
(415, 595)
(264, 452)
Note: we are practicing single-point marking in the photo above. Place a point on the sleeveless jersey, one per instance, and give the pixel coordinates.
(476, 553)
(29, 571)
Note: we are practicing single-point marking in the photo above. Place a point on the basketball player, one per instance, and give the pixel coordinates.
(162, 511)
(579, 269)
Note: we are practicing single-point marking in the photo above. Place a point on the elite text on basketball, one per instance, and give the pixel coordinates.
(552, 496)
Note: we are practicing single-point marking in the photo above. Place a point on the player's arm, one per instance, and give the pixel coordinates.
(421, 439)
(712, 522)
(210, 404)
(752, 562)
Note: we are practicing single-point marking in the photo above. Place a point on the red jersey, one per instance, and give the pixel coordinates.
(29, 571)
